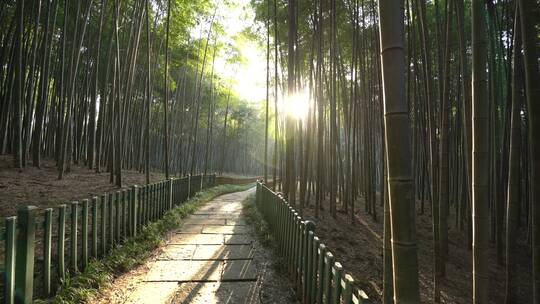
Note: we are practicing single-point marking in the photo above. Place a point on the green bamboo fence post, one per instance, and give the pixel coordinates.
(125, 197)
(299, 257)
(138, 198)
(308, 260)
(95, 227)
(151, 203)
(286, 213)
(145, 218)
(148, 206)
(122, 216)
(24, 260)
(327, 276)
(302, 237)
(104, 208)
(162, 196)
(173, 192)
(118, 212)
(85, 234)
(188, 186)
(73, 235)
(61, 242)
(161, 189)
(275, 208)
(269, 208)
(337, 271)
(129, 213)
(262, 203)
(158, 201)
(135, 191)
(265, 206)
(9, 259)
(257, 191)
(278, 220)
(288, 220)
(294, 248)
(296, 252)
(176, 188)
(291, 237)
(111, 220)
(184, 189)
(320, 270)
(170, 193)
(313, 285)
(154, 202)
(142, 209)
(47, 251)
(281, 225)
(347, 290)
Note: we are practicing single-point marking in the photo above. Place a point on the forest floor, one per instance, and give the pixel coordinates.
(359, 249)
(41, 187)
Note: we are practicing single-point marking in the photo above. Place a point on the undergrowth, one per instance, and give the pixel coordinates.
(262, 230)
(134, 252)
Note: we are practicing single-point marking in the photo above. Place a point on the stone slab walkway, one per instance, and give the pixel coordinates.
(213, 258)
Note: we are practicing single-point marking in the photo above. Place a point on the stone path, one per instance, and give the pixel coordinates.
(213, 258)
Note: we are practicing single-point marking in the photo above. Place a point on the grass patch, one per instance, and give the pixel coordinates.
(135, 251)
(264, 235)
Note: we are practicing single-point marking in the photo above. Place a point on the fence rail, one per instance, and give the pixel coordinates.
(316, 275)
(48, 239)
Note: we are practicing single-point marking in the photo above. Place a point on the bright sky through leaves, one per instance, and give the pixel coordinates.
(249, 75)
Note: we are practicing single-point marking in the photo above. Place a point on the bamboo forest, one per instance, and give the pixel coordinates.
(270, 151)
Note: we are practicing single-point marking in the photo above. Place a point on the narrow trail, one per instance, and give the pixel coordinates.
(213, 258)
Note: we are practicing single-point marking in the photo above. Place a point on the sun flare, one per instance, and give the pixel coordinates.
(297, 105)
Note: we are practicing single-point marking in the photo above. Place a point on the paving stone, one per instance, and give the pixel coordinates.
(219, 293)
(196, 239)
(235, 222)
(153, 292)
(208, 260)
(223, 252)
(172, 271)
(191, 229)
(220, 216)
(225, 229)
(198, 216)
(177, 252)
(237, 239)
(204, 221)
(185, 271)
(239, 270)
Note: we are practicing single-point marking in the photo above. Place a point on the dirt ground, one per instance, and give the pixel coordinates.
(41, 187)
(359, 249)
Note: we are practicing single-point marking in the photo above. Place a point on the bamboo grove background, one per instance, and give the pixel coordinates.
(118, 85)
(333, 160)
